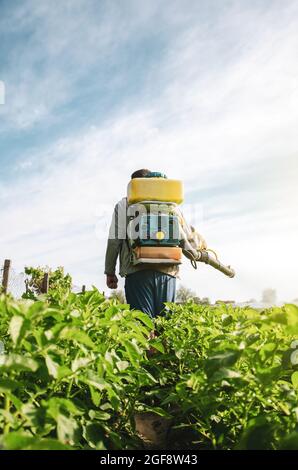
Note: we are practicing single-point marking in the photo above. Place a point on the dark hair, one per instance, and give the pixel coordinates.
(140, 173)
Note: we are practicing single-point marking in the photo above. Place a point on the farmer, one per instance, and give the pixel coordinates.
(147, 287)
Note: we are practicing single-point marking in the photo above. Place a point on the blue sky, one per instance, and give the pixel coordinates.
(205, 91)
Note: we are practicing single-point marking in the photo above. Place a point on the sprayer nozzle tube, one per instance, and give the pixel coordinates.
(205, 257)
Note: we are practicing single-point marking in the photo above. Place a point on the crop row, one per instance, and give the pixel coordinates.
(77, 370)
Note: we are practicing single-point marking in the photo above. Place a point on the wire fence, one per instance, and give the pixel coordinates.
(16, 283)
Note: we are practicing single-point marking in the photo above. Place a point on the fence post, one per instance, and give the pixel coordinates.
(45, 284)
(5, 279)
(83, 289)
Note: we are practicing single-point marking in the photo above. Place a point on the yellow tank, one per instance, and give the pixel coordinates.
(155, 189)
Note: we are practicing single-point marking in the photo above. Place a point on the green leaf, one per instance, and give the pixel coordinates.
(52, 367)
(267, 351)
(294, 378)
(257, 436)
(226, 319)
(278, 316)
(99, 415)
(68, 430)
(195, 381)
(17, 363)
(80, 363)
(79, 336)
(133, 351)
(222, 359)
(17, 328)
(21, 441)
(294, 357)
(292, 314)
(144, 318)
(290, 442)
(63, 371)
(144, 378)
(153, 409)
(95, 435)
(14, 400)
(95, 381)
(224, 373)
(47, 444)
(157, 344)
(34, 416)
(61, 405)
(8, 385)
(268, 375)
(16, 441)
(95, 395)
(138, 332)
(251, 313)
(122, 365)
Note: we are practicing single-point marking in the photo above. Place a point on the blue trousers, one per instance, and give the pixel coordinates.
(147, 291)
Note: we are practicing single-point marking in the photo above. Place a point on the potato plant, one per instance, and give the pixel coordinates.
(76, 368)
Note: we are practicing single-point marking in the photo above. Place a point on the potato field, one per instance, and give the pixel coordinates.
(77, 370)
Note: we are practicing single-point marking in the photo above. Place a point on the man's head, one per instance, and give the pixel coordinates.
(140, 173)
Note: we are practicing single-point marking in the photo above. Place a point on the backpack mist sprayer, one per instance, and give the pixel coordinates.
(157, 231)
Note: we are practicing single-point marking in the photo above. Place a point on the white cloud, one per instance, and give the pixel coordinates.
(2, 92)
(63, 41)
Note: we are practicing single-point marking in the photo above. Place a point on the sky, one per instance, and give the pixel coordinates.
(205, 91)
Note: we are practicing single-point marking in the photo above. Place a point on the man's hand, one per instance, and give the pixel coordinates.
(112, 281)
